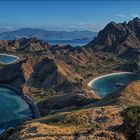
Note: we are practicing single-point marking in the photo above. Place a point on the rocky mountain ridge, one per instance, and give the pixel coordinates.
(122, 39)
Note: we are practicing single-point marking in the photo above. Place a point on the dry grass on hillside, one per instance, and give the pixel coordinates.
(89, 124)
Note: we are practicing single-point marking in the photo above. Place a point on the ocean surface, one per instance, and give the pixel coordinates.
(7, 58)
(13, 109)
(110, 84)
(74, 43)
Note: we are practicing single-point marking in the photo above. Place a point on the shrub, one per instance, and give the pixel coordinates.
(77, 69)
(132, 122)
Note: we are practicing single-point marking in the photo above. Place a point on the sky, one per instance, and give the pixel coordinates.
(65, 14)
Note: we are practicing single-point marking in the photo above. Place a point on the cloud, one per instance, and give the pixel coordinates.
(76, 26)
(134, 15)
(88, 26)
(122, 15)
(6, 29)
(127, 16)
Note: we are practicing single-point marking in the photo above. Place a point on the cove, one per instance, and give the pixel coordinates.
(107, 84)
(13, 109)
(7, 59)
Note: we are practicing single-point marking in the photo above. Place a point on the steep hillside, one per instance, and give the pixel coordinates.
(51, 73)
(76, 125)
(47, 77)
(30, 45)
(120, 38)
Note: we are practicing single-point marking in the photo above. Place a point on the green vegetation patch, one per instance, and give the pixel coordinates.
(132, 122)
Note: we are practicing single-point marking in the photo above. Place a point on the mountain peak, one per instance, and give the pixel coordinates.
(119, 38)
(133, 23)
(136, 19)
(112, 23)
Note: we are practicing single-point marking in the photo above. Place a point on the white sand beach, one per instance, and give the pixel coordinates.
(9, 55)
(93, 80)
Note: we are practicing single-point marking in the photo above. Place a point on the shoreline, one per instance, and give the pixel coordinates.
(4, 54)
(96, 78)
(32, 105)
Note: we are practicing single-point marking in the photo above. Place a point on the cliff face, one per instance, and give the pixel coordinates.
(12, 74)
(51, 73)
(122, 39)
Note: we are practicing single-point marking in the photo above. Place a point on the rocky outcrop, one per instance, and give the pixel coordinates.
(12, 74)
(24, 44)
(122, 39)
(135, 26)
(57, 103)
(3, 45)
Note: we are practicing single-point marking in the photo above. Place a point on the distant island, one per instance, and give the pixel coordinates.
(47, 35)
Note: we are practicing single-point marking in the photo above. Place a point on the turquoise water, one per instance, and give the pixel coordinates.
(7, 59)
(13, 109)
(107, 85)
